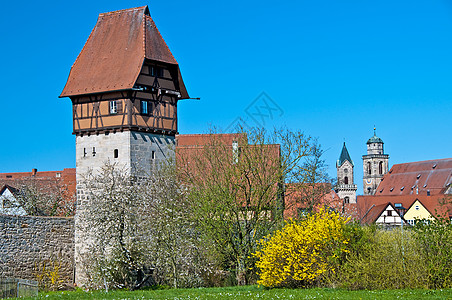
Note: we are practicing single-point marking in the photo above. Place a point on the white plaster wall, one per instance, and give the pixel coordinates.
(16, 209)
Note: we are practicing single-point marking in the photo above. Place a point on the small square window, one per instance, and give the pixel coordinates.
(113, 107)
(116, 153)
(389, 213)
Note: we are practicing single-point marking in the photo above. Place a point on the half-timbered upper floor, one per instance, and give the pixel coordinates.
(125, 77)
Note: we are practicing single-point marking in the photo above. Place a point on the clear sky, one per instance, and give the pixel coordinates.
(333, 69)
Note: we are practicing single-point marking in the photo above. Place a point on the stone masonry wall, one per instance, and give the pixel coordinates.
(27, 241)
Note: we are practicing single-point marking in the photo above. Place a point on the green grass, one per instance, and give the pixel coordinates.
(251, 292)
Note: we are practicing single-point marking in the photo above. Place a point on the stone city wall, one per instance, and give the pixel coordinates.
(27, 242)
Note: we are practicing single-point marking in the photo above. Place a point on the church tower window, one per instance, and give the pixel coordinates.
(345, 180)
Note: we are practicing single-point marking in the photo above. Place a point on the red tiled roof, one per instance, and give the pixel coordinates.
(372, 214)
(206, 139)
(404, 179)
(66, 177)
(435, 204)
(295, 192)
(114, 53)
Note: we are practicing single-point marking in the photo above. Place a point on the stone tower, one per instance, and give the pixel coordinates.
(375, 165)
(124, 87)
(345, 188)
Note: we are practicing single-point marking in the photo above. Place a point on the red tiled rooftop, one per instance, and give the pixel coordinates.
(114, 53)
(417, 177)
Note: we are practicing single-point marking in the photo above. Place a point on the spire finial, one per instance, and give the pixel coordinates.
(375, 130)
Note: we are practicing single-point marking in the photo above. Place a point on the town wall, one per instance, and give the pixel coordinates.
(26, 242)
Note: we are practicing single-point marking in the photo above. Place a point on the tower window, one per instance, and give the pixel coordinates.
(346, 200)
(369, 168)
(156, 71)
(153, 155)
(380, 167)
(346, 180)
(115, 153)
(113, 107)
(94, 151)
(84, 152)
(144, 108)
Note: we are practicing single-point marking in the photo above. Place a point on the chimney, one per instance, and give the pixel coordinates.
(33, 172)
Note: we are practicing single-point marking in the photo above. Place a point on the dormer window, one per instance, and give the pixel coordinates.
(113, 107)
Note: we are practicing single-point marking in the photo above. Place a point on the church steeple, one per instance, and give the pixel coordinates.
(375, 164)
(344, 156)
(345, 188)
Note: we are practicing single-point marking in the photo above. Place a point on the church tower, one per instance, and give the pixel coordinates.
(375, 165)
(124, 87)
(345, 188)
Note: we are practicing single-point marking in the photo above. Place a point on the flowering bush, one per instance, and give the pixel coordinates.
(302, 251)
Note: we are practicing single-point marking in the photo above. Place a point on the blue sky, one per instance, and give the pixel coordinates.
(333, 69)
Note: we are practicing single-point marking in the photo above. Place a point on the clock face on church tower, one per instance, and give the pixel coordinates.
(369, 180)
(345, 171)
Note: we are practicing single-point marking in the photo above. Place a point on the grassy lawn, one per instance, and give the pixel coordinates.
(251, 292)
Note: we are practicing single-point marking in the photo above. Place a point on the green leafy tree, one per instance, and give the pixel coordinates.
(237, 188)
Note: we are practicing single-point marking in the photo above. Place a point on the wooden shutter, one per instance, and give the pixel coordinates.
(119, 106)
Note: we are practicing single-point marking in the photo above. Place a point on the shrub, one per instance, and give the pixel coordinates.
(435, 244)
(385, 259)
(303, 251)
(48, 275)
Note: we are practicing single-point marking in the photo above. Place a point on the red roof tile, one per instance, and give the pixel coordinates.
(407, 178)
(114, 53)
(373, 213)
(435, 204)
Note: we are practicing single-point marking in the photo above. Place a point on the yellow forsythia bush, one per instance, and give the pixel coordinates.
(302, 251)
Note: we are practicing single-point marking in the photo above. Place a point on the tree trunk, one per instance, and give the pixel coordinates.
(241, 272)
